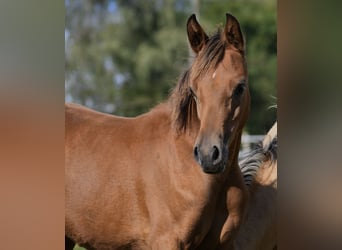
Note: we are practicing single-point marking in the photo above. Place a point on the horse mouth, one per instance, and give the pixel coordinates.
(216, 169)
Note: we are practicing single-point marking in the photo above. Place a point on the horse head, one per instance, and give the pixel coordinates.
(217, 84)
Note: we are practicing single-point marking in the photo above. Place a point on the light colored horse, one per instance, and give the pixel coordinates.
(168, 179)
(259, 231)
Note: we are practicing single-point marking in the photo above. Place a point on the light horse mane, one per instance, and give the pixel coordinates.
(265, 151)
(182, 98)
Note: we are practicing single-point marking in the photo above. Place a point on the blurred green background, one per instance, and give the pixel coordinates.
(124, 56)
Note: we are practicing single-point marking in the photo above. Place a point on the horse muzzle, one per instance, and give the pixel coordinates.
(211, 158)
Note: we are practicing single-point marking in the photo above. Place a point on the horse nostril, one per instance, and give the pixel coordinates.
(215, 153)
(196, 152)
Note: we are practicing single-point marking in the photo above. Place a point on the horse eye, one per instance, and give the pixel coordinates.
(239, 89)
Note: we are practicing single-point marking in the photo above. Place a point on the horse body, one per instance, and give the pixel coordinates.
(168, 179)
(110, 206)
(258, 232)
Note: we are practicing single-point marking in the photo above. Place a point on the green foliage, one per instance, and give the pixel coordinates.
(77, 247)
(124, 56)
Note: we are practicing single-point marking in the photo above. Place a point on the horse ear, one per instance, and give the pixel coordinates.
(233, 33)
(196, 35)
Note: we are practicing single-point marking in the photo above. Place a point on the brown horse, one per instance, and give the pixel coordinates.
(259, 231)
(168, 179)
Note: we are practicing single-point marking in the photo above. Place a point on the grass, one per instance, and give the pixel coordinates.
(77, 247)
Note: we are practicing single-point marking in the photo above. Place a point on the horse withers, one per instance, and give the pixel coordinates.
(167, 179)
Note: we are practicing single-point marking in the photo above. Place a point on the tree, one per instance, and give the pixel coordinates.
(126, 58)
